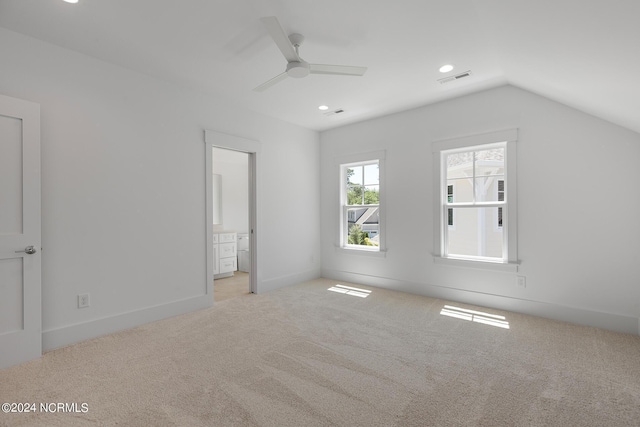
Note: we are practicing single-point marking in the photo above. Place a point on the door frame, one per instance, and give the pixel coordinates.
(252, 148)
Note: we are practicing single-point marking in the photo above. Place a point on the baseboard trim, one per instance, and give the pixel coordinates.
(288, 280)
(609, 321)
(67, 335)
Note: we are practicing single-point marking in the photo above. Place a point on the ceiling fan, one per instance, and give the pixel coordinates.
(296, 66)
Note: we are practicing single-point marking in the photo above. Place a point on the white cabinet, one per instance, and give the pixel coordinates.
(225, 260)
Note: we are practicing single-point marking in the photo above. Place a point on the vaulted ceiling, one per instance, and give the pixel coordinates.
(585, 54)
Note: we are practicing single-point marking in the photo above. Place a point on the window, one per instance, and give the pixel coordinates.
(450, 200)
(475, 178)
(361, 208)
(500, 199)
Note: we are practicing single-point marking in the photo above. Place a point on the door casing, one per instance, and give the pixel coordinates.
(252, 148)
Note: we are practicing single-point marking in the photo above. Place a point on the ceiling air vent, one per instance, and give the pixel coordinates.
(334, 112)
(454, 78)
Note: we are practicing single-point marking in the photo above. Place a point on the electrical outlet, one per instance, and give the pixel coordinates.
(521, 281)
(83, 300)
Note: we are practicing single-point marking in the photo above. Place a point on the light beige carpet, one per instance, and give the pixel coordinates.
(307, 356)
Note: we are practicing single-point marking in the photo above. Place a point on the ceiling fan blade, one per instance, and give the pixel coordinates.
(266, 85)
(281, 39)
(343, 70)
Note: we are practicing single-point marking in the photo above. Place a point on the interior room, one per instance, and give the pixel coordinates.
(438, 198)
(231, 224)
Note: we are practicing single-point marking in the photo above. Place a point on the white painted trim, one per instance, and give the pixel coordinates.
(289, 280)
(360, 157)
(253, 222)
(232, 142)
(610, 321)
(484, 265)
(352, 250)
(67, 335)
(510, 214)
(209, 251)
(507, 135)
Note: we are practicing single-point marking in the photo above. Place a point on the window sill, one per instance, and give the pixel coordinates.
(510, 267)
(357, 251)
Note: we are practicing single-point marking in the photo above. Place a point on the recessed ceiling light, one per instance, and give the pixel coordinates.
(71, 1)
(446, 68)
(323, 107)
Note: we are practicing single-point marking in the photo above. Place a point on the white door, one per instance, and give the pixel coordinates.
(20, 257)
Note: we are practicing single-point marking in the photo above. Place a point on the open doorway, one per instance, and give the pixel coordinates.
(231, 237)
(232, 231)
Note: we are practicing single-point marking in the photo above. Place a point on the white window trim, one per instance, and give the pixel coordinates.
(510, 216)
(497, 227)
(347, 160)
(451, 227)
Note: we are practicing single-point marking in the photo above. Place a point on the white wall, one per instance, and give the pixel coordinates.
(233, 167)
(123, 190)
(578, 207)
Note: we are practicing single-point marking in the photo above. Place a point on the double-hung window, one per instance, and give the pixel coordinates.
(476, 194)
(361, 217)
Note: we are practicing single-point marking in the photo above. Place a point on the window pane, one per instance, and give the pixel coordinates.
(363, 226)
(489, 162)
(475, 233)
(462, 189)
(460, 164)
(354, 195)
(487, 188)
(354, 175)
(372, 174)
(371, 195)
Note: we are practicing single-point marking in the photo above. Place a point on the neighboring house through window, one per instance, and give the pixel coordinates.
(480, 172)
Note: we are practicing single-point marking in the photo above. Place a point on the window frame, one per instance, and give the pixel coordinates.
(498, 223)
(343, 163)
(507, 139)
(451, 214)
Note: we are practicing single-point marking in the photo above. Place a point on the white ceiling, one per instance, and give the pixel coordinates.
(583, 53)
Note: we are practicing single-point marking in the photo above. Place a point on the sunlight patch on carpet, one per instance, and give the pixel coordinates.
(475, 316)
(348, 290)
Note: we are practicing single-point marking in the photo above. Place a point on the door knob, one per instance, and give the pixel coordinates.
(29, 250)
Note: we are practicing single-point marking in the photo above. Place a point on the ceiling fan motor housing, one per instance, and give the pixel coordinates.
(298, 69)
